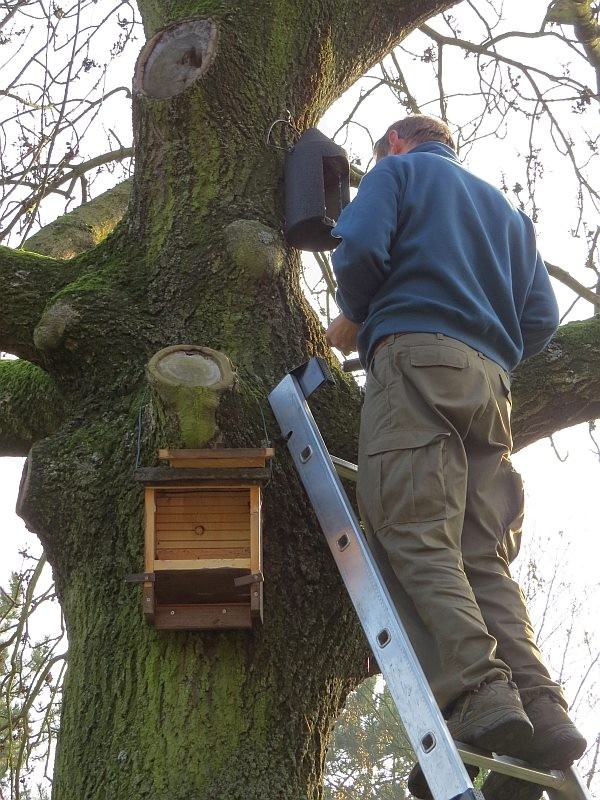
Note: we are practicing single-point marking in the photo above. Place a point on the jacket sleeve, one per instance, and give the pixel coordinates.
(366, 227)
(540, 317)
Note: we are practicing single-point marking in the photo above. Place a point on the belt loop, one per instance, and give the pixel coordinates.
(440, 335)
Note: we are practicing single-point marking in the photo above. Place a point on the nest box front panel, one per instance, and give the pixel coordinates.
(203, 524)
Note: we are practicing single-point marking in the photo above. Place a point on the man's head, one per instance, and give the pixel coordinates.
(407, 133)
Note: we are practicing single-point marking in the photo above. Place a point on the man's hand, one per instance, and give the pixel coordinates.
(342, 334)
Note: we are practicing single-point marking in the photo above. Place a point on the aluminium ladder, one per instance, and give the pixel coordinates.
(440, 759)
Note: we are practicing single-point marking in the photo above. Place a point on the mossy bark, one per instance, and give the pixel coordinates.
(85, 227)
(560, 387)
(195, 716)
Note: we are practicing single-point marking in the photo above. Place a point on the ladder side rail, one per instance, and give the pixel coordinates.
(573, 788)
(384, 630)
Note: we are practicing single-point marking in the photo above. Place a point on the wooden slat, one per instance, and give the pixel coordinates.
(198, 497)
(200, 526)
(255, 530)
(209, 544)
(206, 491)
(215, 463)
(230, 457)
(202, 617)
(169, 537)
(192, 520)
(148, 600)
(181, 502)
(193, 505)
(198, 506)
(184, 477)
(149, 531)
(202, 555)
(256, 589)
(196, 530)
(208, 510)
(202, 563)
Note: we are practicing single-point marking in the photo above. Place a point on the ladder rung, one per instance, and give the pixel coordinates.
(511, 766)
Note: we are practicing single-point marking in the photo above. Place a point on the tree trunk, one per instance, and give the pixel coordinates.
(199, 259)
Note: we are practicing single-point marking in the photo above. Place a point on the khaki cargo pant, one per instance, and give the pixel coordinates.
(442, 508)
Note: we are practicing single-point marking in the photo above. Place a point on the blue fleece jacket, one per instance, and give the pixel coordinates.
(426, 246)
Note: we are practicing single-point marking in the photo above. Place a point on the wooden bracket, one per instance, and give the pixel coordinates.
(245, 580)
(140, 577)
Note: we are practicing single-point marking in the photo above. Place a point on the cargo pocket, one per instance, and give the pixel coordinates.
(407, 477)
(426, 355)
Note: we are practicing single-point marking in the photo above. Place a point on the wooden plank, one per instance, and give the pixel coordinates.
(192, 520)
(148, 601)
(209, 535)
(149, 531)
(255, 530)
(193, 503)
(202, 555)
(229, 454)
(198, 530)
(208, 491)
(196, 504)
(209, 544)
(182, 475)
(256, 589)
(206, 497)
(256, 602)
(216, 463)
(202, 617)
(199, 505)
(211, 522)
(201, 497)
(202, 563)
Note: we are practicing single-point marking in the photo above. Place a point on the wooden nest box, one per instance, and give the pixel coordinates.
(203, 553)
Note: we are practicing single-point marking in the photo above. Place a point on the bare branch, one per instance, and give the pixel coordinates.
(568, 280)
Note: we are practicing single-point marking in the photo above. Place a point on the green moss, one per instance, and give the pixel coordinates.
(157, 14)
(30, 406)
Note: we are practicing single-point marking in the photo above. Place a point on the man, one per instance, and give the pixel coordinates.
(441, 286)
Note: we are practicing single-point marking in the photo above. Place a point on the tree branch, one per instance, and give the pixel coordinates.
(584, 19)
(27, 282)
(372, 36)
(84, 227)
(560, 387)
(568, 280)
(30, 406)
